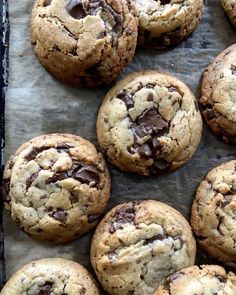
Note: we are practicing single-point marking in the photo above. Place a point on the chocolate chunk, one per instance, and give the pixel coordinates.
(127, 99)
(155, 238)
(160, 166)
(145, 151)
(30, 180)
(133, 149)
(113, 14)
(56, 177)
(221, 279)
(45, 289)
(47, 3)
(4, 191)
(35, 151)
(164, 2)
(150, 97)
(87, 174)
(92, 218)
(125, 214)
(139, 130)
(172, 89)
(60, 215)
(75, 9)
(153, 122)
(156, 146)
(112, 256)
(74, 197)
(63, 147)
(102, 35)
(233, 69)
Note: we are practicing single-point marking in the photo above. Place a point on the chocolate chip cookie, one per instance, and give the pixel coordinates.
(204, 280)
(138, 244)
(219, 95)
(84, 43)
(164, 23)
(230, 9)
(56, 187)
(214, 213)
(51, 276)
(149, 123)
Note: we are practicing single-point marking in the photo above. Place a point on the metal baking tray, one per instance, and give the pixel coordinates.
(38, 104)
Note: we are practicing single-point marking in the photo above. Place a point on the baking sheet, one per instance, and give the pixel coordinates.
(4, 42)
(36, 104)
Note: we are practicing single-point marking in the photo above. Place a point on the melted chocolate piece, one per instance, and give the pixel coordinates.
(47, 3)
(164, 2)
(30, 180)
(145, 151)
(79, 171)
(75, 9)
(63, 147)
(60, 215)
(159, 166)
(233, 69)
(125, 214)
(155, 238)
(172, 89)
(127, 99)
(153, 122)
(139, 130)
(35, 151)
(92, 218)
(4, 191)
(45, 289)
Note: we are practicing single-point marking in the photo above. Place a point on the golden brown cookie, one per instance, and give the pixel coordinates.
(51, 276)
(230, 9)
(84, 43)
(203, 280)
(149, 123)
(219, 95)
(163, 23)
(214, 213)
(56, 187)
(138, 244)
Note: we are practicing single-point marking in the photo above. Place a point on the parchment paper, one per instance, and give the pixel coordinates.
(36, 104)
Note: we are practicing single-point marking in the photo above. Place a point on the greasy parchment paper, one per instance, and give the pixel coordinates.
(36, 104)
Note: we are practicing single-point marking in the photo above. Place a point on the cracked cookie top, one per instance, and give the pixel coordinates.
(214, 213)
(149, 123)
(164, 23)
(138, 244)
(51, 276)
(219, 95)
(203, 280)
(84, 43)
(230, 9)
(56, 187)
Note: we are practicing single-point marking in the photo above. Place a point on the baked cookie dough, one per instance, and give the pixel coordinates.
(203, 280)
(138, 244)
(56, 187)
(163, 23)
(214, 213)
(149, 123)
(51, 276)
(230, 9)
(219, 95)
(84, 43)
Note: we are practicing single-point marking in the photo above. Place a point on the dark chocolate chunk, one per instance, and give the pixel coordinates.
(87, 174)
(221, 279)
(35, 151)
(125, 214)
(127, 99)
(145, 151)
(56, 177)
(156, 146)
(155, 238)
(153, 122)
(160, 166)
(92, 218)
(4, 191)
(31, 179)
(102, 35)
(45, 289)
(60, 215)
(150, 97)
(233, 69)
(74, 197)
(139, 130)
(47, 3)
(172, 89)
(63, 147)
(164, 2)
(75, 9)
(112, 256)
